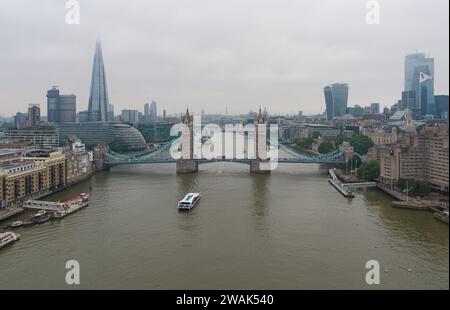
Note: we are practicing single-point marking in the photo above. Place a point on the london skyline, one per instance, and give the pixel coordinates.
(280, 57)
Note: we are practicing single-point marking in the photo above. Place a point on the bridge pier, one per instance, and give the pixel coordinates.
(255, 167)
(187, 166)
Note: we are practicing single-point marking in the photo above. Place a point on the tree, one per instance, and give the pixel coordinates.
(326, 147)
(414, 187)
(340, 139)
(361, 144)
(304, 142)
(370, 171)
(315, 134)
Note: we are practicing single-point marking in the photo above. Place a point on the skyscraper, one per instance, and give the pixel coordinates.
(441, 102)
(375, 108)
(147, 112)
(67, 109)
(98, 98)
(336, 96)
(53, 105)
(153, 111)
(34, 115)
(415, 66)
(61, 108)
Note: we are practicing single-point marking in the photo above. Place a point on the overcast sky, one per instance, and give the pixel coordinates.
(207, 54)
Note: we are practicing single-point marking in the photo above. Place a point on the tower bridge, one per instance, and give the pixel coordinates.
(189, 164)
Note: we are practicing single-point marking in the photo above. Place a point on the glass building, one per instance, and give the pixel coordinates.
(124, 137)
(336, 97)
(98, 97)
(415, 64)
(155, 132)
(61, 108)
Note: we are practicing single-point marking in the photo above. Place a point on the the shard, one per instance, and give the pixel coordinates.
(98, 97)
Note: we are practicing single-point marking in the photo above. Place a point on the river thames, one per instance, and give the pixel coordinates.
(287, 230)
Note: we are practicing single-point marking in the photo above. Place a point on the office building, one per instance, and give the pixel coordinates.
(375, 108)
(61, 108)
(130, 116)
(34, 115)
(123, 136)
(155, 132)
(441, 104)
(336, 97)
(417, 68)
(153, 111)
(38, 137)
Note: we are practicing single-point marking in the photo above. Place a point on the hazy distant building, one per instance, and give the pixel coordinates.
(375, 108)
(60, 108)
(34, 115)
(336, 97)
(110, 113)
(415, 66)
(39, 137)
(130, 116)
(98, 97)
(147, 112)
(409, 100)
(20, 120)
(83, 116)
(153, 111)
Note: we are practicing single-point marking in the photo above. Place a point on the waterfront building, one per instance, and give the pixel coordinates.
(78, 161)
(336, 96)
(39, 137)
(21, 179)
(155, 132)
(31, 175)
(123, 136)
(422, 156)
(55, 165)
(60, 108)
(98, 96)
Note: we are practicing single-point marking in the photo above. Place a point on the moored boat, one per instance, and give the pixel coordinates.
(8, 238)
(15, 224)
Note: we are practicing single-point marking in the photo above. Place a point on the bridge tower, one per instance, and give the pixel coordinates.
(348, 151)
(187, 164)
(261, 144)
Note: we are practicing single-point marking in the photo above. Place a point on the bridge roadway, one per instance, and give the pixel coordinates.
(241, 161)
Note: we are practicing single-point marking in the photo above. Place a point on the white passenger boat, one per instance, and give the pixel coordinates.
(8, 238)
(189, 201)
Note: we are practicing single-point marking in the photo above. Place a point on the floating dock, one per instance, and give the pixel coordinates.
(333, 180)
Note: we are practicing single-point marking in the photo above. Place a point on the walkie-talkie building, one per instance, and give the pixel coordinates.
(336, 96)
